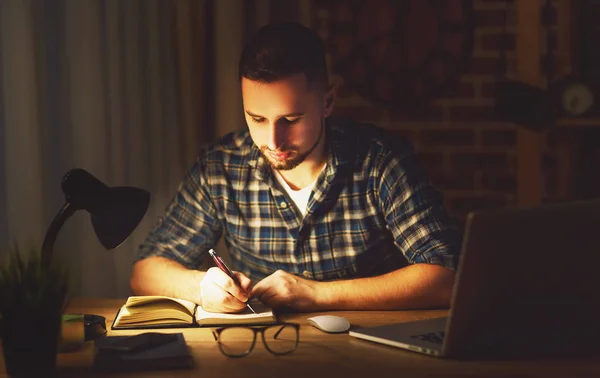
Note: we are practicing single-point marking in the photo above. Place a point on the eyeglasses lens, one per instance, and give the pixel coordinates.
(236, 341)
(281, 339)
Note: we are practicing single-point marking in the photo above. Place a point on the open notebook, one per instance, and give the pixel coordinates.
(168, 312)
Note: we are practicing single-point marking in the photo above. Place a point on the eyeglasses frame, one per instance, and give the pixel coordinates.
(216, 332)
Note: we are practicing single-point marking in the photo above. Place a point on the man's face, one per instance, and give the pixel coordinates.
(286, 119)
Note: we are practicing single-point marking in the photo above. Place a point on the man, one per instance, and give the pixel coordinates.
(317, 213)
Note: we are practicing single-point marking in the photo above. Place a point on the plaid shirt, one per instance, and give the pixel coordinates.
(372, 211)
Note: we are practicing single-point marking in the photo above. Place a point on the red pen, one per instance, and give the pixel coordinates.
(221, 264)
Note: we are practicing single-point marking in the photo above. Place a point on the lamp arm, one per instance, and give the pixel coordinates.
(47, 247)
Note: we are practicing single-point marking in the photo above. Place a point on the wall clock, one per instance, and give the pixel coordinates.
(577, 100)
(400, 53)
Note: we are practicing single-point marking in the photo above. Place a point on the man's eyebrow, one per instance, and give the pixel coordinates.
(295, 114)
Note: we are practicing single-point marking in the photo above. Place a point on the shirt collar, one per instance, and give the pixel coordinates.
(340, 147)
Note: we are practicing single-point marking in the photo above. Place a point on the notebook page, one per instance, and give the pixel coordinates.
(263, 314)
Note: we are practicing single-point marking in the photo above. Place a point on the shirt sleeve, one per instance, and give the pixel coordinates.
(190, 225)
(414, 212)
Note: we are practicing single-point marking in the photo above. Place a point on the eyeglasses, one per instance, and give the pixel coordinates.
(237, 341)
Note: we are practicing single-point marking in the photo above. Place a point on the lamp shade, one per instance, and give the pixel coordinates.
(124, 210)
(115, 212)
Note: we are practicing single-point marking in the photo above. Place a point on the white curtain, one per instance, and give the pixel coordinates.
(115, 87)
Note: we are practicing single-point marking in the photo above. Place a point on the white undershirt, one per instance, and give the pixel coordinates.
(300, 197)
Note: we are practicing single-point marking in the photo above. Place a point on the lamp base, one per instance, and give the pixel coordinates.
(94, 326)
(77, 329)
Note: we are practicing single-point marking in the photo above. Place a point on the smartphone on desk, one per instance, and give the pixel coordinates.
(135, 343)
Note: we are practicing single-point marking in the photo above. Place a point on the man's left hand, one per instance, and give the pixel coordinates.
(284, 289)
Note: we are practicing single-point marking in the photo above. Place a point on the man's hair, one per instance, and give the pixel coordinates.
(277, 51)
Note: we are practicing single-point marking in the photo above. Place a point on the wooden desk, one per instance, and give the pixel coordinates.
(320, 354)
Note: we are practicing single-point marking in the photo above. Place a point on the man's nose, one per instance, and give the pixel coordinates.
(277, 135)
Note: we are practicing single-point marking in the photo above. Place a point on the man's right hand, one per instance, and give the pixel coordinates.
(220, 293)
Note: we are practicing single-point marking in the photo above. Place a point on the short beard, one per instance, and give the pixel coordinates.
(295, 159)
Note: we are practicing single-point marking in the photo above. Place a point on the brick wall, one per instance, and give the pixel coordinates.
(467, 152)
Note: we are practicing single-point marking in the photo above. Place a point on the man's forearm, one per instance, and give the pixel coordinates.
(161, 276)
(413, 287)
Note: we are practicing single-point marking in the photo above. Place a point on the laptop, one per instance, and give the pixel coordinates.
(527, 284)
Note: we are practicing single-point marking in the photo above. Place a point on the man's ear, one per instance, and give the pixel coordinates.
(329, 100)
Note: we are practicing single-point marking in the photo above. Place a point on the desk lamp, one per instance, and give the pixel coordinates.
(115, 212)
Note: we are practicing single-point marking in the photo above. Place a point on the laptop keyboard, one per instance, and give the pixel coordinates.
(432, 337)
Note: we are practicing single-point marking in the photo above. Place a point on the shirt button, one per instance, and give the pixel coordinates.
(306, 274)
(283, 204)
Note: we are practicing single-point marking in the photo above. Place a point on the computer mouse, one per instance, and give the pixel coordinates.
(330, 323)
